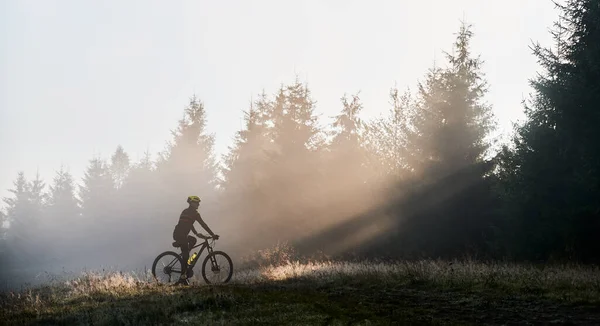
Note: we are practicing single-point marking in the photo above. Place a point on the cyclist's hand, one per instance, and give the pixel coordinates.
(216, 237)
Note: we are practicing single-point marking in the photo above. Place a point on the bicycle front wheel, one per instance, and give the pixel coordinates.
(217, 268)
(167, 267)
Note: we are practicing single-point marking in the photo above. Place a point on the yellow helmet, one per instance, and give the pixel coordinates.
(193, 199)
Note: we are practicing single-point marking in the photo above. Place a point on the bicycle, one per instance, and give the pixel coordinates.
(176, 258)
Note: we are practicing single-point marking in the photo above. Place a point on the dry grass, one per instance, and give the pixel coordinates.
(285, 291)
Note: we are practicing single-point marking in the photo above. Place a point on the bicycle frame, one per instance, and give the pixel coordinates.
(204, 245)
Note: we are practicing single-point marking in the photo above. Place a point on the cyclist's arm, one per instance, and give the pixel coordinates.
(199, 219)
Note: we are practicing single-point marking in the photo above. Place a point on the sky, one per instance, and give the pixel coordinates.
(78, 78)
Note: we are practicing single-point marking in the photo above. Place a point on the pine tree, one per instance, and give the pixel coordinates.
(96, 193)
(22, 218)
(294, 128)
(3, 224)
(140, 178)
(295, 160)
(98, 212)
(245, 173)
(452, 120)
(37, 198)
(387, 139)
(19, 203)
(452, 123)
(62, 217)
(243, 161)
(119, 166)
(348, 125)
(4, 261)
(443, 203)
(347, 163)
(62, 204)
(347, 171)
(427, 120)
(188, 166)
(551, 179)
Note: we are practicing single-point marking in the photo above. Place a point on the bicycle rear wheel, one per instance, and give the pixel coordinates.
(217, 268)
(167, 267)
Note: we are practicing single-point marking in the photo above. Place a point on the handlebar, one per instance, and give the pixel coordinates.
(204, 237)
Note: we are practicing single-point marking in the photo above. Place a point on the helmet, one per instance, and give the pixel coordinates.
(193, 199)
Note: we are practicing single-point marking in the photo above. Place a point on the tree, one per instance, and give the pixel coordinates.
(244, 158)
(96, 193)
(273, 175)
(3, 222)
(245, 174)
(119, 166)
(442, 201)
(452, 124)
(140, 181)
(23, 214)
(37, 202)
(62, 216)
(387, 139)
(17, 206)
(295, 162)
(347, 172)
(188, 166)
(551, 179)
(4, 262)
(452, 120)
(62, 204)
(348, 126)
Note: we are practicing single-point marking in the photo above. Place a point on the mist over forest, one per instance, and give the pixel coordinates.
(423, 180)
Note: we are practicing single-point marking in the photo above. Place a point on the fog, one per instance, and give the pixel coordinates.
(290, 176)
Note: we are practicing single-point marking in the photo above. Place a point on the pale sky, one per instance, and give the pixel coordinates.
(79, 77)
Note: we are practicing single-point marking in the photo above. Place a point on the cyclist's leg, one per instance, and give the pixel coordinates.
(185, 251)
(185, 254)
(191, 241)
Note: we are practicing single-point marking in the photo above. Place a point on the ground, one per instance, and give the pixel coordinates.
(324, 293)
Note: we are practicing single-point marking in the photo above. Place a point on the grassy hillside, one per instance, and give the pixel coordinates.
(334, 293)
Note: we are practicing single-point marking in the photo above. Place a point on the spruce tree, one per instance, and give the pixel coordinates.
(142, 206)
(139, 181)
(63, 217)
(188, 165)
(21, 221)
(347, 160)
(387, 139)
(244, 187)
(443, 203)
(346, 171)
(62, 204)
(119, 166)
(3, 223)
(551, 179)
(4, 262)
(96, 192)
(348, 125)
(246, 156)
(295, 160)
(452, 120)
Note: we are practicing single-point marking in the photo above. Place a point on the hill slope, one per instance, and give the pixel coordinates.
(430, 292)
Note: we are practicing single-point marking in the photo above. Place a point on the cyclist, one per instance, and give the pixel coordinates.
(182, 230)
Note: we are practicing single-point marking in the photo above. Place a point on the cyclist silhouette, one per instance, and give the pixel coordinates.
(182, 229)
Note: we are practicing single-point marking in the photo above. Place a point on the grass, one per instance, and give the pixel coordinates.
(319, 293)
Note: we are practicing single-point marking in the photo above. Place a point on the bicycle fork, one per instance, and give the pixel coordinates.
(213, 261)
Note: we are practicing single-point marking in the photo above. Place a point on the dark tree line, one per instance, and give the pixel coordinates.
(550, 177)
(420, 181)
